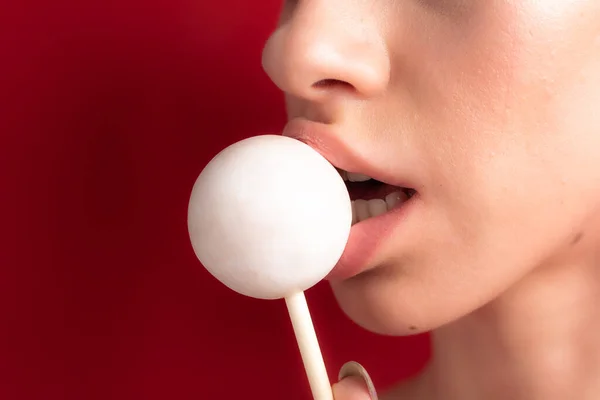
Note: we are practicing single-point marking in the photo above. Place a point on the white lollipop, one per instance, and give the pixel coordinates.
(269, 217)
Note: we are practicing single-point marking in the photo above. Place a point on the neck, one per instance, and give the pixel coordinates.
(537, 341)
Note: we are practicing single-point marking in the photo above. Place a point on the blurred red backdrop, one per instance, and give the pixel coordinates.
(109, 111)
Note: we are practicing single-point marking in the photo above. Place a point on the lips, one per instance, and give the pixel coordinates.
(332, 145)
(368, 235)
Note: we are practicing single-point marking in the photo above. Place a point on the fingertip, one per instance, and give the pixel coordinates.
(354, 383)
(351, 388)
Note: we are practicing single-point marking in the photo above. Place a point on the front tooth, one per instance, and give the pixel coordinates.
(354, 177)
(362, 210)
(377, 207)
(394, 198)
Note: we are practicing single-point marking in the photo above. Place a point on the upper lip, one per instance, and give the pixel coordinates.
(340, 153)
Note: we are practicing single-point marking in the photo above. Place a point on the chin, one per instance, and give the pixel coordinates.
(388, 302)
(374, 307)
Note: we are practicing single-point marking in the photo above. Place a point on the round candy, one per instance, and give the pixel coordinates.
(269, 217)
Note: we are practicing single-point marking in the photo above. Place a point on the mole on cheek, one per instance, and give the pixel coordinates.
(412, 328)
(577, 239)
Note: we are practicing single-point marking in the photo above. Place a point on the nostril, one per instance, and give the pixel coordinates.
(328, 84)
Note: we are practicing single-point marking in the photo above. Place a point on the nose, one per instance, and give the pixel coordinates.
(326, 48)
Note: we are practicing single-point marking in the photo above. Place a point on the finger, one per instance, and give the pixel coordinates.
(351, 388)
(355, 383)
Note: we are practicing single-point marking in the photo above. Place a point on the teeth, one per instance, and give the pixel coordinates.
(377, 207)
(354, 177)
(365, 209)
(362, 210)
(394, 198)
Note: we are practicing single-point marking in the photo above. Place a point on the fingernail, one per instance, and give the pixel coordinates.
(352, 368)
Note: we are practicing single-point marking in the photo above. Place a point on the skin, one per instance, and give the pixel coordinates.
(492, 108)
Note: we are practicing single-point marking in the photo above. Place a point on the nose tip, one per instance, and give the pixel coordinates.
(312, 58)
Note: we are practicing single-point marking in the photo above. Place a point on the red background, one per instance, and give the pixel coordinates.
(108, 112)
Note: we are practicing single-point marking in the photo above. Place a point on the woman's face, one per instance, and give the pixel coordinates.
(490, 109)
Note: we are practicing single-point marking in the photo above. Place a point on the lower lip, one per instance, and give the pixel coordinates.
(366, 237)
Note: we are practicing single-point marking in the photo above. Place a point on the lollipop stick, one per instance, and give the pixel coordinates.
(309, 346)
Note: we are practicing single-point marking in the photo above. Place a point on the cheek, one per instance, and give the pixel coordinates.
(491, 82)
(511, 147)
(507, 107)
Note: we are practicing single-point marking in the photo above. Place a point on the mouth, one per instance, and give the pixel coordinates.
(371, 197)
(384, 202)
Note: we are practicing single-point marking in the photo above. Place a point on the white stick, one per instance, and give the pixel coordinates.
(309, 346)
